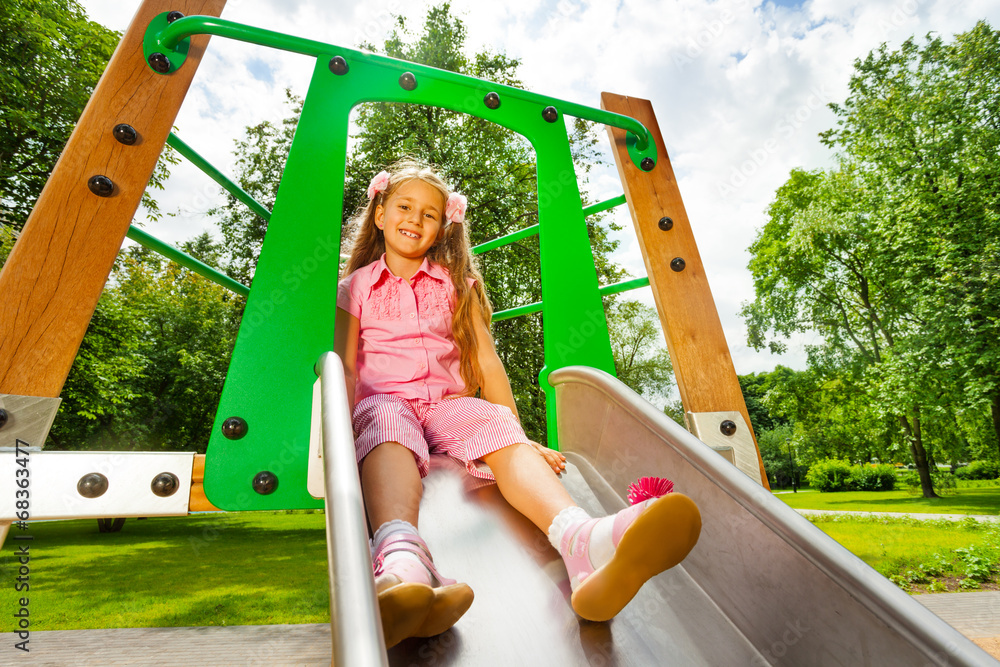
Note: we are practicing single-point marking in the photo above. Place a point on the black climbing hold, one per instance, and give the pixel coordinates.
(92, 485)
(165, 484)
(550, 114)
(666, 224)
(408, 81)
(338, 65)
(728, 427)
(492, 101)
(173, 16)
(265, 482)
(102, 186)
(677, 264)
(647, 164)
(125, 134)
(3, 417)
(159, 62)
(234, 428)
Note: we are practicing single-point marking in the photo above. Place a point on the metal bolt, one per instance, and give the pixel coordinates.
(235, 428)
(3, 417)
(92, 485)
(550, 114)
(265, 482)
(338, 65)
(647, 164)
(728, 427)
(125, 134)
(677, 264)
(173, 16)
(666, 224)
(165, 484)
(408, 81)
(159, 62)
(492, 101)
(102, 186)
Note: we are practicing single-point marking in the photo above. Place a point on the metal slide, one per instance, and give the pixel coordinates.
(762, 587)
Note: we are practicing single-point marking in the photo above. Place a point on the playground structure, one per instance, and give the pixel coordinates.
(761, 577)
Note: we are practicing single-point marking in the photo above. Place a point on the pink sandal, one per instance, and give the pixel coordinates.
(414, 599)
(648, 538)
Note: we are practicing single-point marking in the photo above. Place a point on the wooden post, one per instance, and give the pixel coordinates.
(702, 364)
(56, 271)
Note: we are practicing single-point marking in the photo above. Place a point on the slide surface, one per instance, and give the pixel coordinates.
(762, 587)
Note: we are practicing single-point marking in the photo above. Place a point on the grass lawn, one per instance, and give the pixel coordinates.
(259, 568)
(252, 568)
(922, 556)
(985, 500)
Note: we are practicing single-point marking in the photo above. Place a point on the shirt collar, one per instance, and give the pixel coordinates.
(431, 269)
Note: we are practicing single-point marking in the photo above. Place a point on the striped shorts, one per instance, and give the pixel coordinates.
(464, 428)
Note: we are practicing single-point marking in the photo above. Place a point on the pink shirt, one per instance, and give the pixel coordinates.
(405, 346)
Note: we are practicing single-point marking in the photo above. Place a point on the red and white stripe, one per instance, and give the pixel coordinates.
(466, 429)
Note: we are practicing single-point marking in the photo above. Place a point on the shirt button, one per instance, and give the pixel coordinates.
(423, 366)
(416, 341)
(412, 315)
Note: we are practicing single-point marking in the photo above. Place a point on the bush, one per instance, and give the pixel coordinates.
(979, 470)
(829, 475)
(881, 477)
(838, 475)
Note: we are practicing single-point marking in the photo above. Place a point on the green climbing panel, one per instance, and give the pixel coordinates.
(289, 318)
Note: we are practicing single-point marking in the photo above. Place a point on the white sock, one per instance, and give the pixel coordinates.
(390, 529)
(601, 546)
(566, 518)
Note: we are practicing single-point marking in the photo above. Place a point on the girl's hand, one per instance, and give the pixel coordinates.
(555, 460)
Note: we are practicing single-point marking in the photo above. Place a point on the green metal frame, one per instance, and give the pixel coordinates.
(289, 317)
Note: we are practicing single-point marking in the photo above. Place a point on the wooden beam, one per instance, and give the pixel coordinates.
(57, 269)
(702, 363)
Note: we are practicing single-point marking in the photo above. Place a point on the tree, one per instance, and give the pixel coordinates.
(151, 367)
(641, 360)
(892, 256)
(51, 56)
(493, 166)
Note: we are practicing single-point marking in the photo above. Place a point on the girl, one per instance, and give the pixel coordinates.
(413, 331)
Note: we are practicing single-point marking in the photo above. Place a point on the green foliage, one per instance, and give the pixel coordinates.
(840, 475)
(641, 360)
(150, 370)
(892, 256)
(979, 470)
(978, 563)
(881, 477)
(51, 55)
(830, 475)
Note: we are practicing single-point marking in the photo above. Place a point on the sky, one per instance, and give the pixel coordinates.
(740, 89)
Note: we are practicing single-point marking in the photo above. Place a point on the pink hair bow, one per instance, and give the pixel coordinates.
(378, 184)
(454, 209)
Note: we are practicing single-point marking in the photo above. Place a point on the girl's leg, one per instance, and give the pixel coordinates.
(608, 559)
(390, 483)
(528, 484)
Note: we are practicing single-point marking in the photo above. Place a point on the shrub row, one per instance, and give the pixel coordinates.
(840, 475)
(979, 470)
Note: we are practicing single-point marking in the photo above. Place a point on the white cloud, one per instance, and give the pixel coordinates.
(739, 88)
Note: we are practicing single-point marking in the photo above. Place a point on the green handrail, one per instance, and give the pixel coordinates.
(607, 290)
(197, 160)
(513, 237)
(185, 260)
(169, 41)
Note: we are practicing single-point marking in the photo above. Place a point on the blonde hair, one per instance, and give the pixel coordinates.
(452, 250)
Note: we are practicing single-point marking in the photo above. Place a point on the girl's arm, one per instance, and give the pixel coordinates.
(345, 344)
(496, 385)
